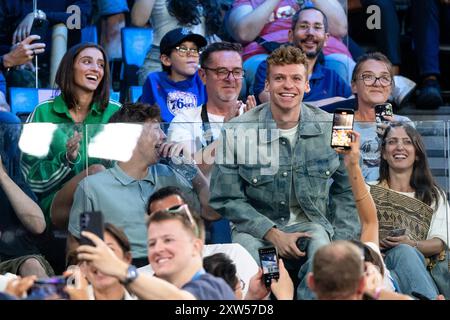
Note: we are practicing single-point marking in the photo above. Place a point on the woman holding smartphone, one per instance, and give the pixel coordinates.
(372, 83)
(83, 78)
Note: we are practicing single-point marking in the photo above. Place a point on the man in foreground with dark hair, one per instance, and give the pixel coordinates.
(121, 192)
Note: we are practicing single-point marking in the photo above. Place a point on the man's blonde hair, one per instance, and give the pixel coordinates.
(285, 55)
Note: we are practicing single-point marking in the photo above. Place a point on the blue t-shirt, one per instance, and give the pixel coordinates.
(324, 83)
(209, 287)
(172, 96)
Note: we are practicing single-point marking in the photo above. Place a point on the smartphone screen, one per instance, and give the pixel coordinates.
(44, 288)
(93, 222)
(341, 136)
(269, 264)
(381, 110)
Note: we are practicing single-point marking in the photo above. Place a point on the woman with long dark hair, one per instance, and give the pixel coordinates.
(407, 197)
(83, 78)
(203, 17)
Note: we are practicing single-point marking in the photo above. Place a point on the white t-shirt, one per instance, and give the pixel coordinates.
(186, 127)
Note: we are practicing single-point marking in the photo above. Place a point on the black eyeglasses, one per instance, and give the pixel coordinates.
(370, 79)
(190, 52)
(223, 73)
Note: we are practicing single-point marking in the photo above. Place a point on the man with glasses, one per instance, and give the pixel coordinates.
(178, 87)
(222, 73)
(309, 32)
(175, 254)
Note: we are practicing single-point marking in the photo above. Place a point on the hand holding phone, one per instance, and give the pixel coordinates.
(382, 110)
(341, 132)
(397, 232)
(269, 264)
(39, 27)
(48, 288)
(93, 222)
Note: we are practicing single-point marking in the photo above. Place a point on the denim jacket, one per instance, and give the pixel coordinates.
(256, 199)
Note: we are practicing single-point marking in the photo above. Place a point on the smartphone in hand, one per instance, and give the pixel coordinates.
(341, 135)
(39, 27)
(91, 221)
(397, 232)
(269, 264)
(382, 110)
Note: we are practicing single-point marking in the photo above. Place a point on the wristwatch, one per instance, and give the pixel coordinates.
(132, 274)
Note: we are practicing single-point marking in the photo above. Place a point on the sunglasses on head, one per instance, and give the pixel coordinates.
(181, 209)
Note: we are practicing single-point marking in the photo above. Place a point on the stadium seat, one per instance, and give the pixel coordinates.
(136, 43)
(24, 100)
(89, 34)
(135, 93)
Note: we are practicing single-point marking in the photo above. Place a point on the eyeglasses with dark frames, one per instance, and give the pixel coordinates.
(369, 79)
(223, 73)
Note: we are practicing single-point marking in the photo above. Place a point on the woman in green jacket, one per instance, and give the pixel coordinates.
(83, 79)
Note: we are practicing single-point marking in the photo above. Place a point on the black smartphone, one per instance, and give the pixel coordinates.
(302, 243)
(91, 221)
(269, 264)
(52, 287)
(39, 27)
(341, 135)
(381, 110)
(397, 232)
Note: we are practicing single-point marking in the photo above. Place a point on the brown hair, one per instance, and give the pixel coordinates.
(65, 77)
(337, 270)
(422, 180)
(377, 56)
(285, 55)
(197, 229)
(136, 112)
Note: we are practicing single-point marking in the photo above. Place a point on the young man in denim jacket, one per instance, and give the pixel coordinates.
(276, 178)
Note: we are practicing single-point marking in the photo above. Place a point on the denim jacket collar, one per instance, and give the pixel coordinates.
(309, 124)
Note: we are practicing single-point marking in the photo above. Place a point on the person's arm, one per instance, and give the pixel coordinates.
(201, 188)
(21, 53)
(246, 22)
(335, 13)
(365, 205)
(46, 175)
(342, 205)
(145, 287)
(28, 212)
(259, 84)
(141, 12)
(54, 17)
